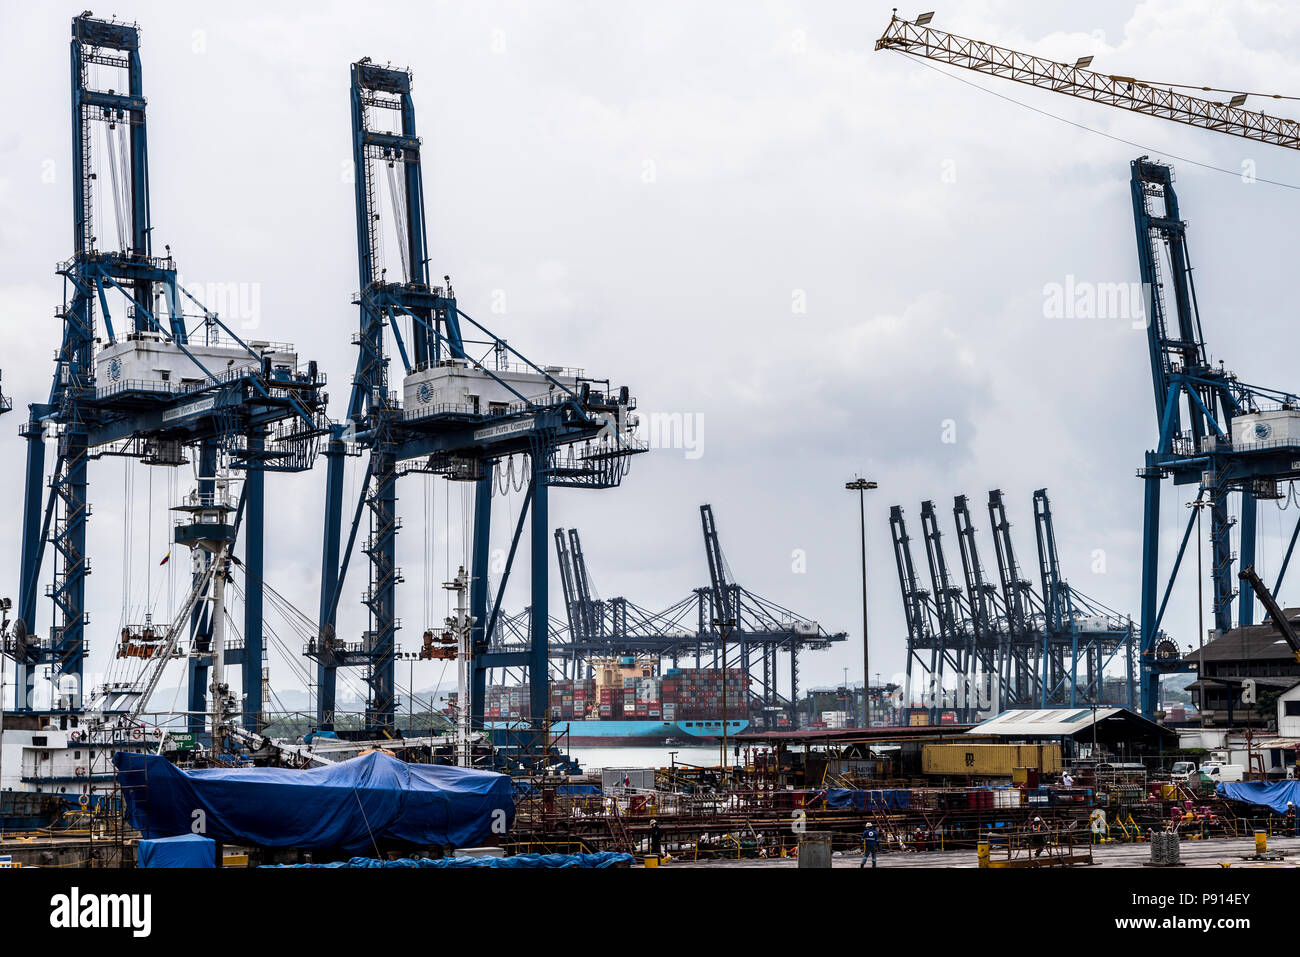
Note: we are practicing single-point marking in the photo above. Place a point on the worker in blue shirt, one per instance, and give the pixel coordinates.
(870, 838)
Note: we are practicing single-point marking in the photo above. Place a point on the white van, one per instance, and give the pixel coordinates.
(1219, 771)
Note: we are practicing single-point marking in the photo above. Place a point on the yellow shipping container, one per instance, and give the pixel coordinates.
(989, 760)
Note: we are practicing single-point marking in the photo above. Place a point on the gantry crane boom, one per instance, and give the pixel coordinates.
(571, 609)
(1274, 610)
(954, 637)
(917, 610)
(723, 605)
(979, 592)
(1125, 92)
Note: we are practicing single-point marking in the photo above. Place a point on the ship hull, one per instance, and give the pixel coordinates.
(640, 734)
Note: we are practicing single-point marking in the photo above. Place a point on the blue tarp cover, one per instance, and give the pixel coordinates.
(349, 805)
(570, 790)
(1273, 795)
(185, 850)
(519, 861)
(887, 799)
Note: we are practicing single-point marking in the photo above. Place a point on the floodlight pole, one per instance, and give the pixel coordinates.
(722, 627)
(862, 486)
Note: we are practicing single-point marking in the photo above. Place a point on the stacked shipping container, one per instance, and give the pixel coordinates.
(682, 694)
(572, 700)
(691, 695)
(506, 703)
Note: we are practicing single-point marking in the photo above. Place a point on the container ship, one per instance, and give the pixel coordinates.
(627, 703)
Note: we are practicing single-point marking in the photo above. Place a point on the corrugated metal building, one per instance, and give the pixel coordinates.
(1117, 730)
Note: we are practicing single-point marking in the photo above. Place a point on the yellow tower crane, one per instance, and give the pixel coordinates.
(917, 38)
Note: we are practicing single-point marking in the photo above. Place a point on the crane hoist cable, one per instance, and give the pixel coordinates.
(923, 42)
(399, 217)
(288, 612)
(1236, 173)
(126, 540)
(426, 548)
(148, 545)
(291, 659)
(114, 184)
(446, 511)
(303, 625)
(124, 164)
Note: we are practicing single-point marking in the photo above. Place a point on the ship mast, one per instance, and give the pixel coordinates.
(210, 531)
(460, 626)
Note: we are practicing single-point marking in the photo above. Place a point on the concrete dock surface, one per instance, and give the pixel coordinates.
(1215, 852)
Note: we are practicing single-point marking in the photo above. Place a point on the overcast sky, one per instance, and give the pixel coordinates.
(830, 260)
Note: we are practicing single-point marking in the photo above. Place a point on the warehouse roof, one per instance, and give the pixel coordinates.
(1262, 642)
(1276, 682)
(815, 735)
(1062, 722)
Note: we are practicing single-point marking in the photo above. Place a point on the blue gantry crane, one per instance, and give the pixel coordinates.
(955, 636)
(683, 632)
(1081, 637)
(598, 627)
(926, 651)
(135, 380)
(469, 402)
(757, 625)
(986, 641)
(1235, 441)
(985, 647)
(1230, 439)
(1018, 675)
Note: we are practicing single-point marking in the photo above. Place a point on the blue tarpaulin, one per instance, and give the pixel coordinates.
(351, 805)
(1273, 795)
(567, 790)
(184, 850)
(886, 799)
(519, 861)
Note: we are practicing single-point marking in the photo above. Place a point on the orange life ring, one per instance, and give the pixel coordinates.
(80, 772)
(137, 733)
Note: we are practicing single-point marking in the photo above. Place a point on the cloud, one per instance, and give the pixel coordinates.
(652, 190)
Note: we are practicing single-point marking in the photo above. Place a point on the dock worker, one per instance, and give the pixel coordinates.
(870, 838)
(1067, 781)
(656, 839)
(1038, 836)
(1292, 823)
(920, 838)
